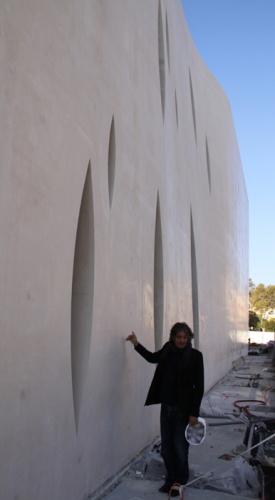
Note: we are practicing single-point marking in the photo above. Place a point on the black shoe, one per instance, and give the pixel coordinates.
(165, 488)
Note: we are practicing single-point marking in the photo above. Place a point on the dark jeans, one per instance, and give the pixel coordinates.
(174, 447)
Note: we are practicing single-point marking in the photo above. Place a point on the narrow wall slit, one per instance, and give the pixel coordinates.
(82, 295)
(193, 105)
(194, 278)
(208, 165)
(176, 108)
(111, 161)
(158, 280)
(167, 42)
(161, 59)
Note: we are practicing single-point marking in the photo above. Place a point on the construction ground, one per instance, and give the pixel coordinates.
(237, 456)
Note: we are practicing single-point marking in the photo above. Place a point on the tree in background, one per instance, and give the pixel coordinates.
(270, 297)
(254, 320)
(259, 299)
(269, 325)
(262, 303)
(251, 288)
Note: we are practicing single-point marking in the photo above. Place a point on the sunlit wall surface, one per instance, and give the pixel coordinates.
(123, 207)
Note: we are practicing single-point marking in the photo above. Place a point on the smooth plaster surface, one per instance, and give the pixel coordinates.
(123, 207)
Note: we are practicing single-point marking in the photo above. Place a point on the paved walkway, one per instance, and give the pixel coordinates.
(218, 466)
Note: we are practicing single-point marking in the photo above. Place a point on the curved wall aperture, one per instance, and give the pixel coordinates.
(176, 108)
(111, 161)
(167, 42)
(193, 105)
(161, 59)
(208, 165)
(194, 277)
(158, 280)
(82, 295)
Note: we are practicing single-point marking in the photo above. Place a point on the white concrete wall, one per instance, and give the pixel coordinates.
(122, 207)
(261, 337)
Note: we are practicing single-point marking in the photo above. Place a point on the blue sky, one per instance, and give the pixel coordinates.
(236, 40)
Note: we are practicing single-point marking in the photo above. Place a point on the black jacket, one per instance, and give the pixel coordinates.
(189, 382)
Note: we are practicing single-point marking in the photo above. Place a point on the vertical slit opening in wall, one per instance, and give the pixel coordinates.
(208, 165)
(176, 108)
(158, 280)
(82, 295)
(167, 42)
(111, 161)
(193, 105)
(194, 278)
(161, 59)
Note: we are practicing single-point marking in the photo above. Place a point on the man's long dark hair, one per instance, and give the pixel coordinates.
(181, 327)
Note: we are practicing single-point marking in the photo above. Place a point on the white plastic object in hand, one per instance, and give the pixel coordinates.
(195, 434)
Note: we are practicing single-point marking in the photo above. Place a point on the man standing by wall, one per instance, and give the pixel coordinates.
(178, 385)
